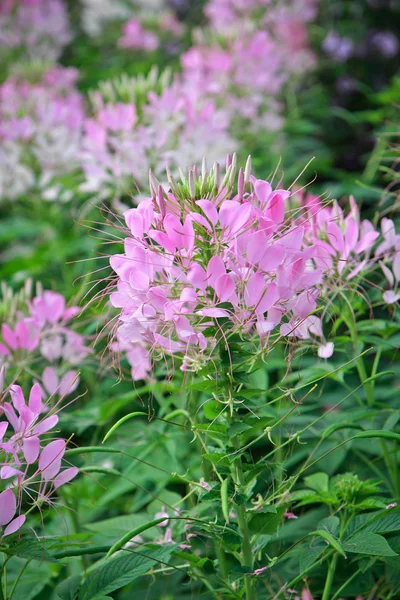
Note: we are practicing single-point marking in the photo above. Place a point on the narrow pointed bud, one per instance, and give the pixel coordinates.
(247, 170)
(204, 169)
(232, 176)
(172, 181)
(195, 171)
(217, 175)
(192, 186)
(336, 210)
(182, 176)
(161, 201)
(153, 184)
(2, 377)
(227, 177)
(241, 184)
(228, 162)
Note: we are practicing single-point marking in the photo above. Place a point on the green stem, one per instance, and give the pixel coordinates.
(18, 578)
(222, 561)
(247, 558)
(329, 577)
(294, 581)
(346, 583)
(362, 372)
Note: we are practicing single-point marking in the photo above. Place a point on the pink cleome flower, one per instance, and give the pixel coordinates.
(30, 468)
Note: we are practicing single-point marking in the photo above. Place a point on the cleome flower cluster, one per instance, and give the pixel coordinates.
(202, 261)
(31, 462)
(36, 335)
(34, 28)
(247, 55)
(40, 132)
(212, 256)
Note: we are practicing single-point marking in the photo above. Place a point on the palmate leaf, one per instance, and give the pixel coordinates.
(33, 581)
(32, 549)
(369, 543)
(121, 571)
(68, 589)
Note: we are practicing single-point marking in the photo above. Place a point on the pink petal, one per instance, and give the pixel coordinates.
(139, 280)
(241, 217)
(4, 350)
(272, 257)
(209, 210)
(17, 396)
(50, 380)
(3, 429)
(14, 525)
(366, 241)
(276, 207)
(387, 273)
(31, 448)
(264, 327)
(65, 476)
(326, 350)
(255, 288)
(7, 472)
(9, 336)
(213, 312)
(35, 399)
(224, 287)
(305, 304)
(50, 459)
(215, 268)
(68, 384)
(335, 236)
(167, 343)
(268, 299)
(351, 235)
(263, 191)
(8, 506)
(390, 297)
(256, 247)
(45, 425)
(197, 276)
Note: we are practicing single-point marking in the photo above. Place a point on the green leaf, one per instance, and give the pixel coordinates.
(330, 524)
(33, 549)
(309, 556)
(122, 570)
(266, 523)
(118, 526)
(318, 482)
(328, 537)
(368, 543)
(68, 589)
(33, 581)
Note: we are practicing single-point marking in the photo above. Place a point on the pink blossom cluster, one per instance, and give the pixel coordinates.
(135, 37)
(254, 48)
(40, 132)
(31, 466)
(348, 247)
(172, 128)
(39, 336)
(35, 28)
(204, 263)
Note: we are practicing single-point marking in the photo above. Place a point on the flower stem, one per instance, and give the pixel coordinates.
(329, 577)
(247, 553)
